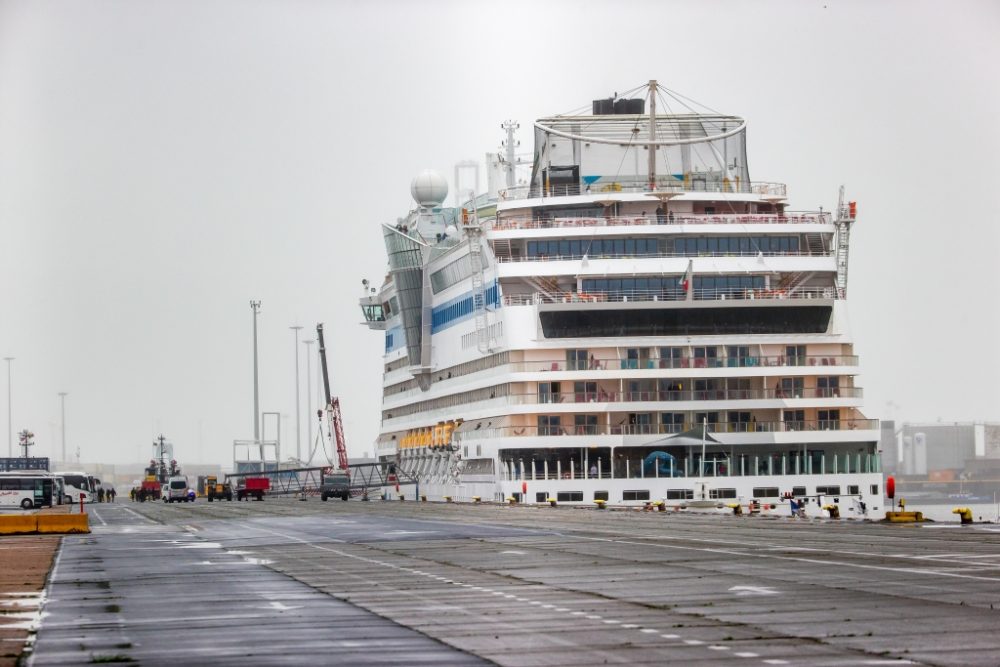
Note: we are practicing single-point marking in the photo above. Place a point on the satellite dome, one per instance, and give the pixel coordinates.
(429, 188)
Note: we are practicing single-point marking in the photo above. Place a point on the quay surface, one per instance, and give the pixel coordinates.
(283, 581)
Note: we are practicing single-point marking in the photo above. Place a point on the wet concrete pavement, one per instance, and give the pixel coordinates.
(283, 581)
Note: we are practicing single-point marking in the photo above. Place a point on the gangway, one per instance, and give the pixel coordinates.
(364, 477)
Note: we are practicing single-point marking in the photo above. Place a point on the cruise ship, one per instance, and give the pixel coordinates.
(634, 321)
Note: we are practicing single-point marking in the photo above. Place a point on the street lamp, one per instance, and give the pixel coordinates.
(309, 421)
(62, 395)
(255, 306)
(298, 413)
(10, 426)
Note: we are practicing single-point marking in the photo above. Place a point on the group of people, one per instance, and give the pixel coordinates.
(106, 495)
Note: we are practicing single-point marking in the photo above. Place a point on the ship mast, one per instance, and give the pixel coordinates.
(652, 135)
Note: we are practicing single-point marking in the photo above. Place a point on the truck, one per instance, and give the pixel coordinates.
(177, 490)
(252, 486)
(216, 490)
(336, 484)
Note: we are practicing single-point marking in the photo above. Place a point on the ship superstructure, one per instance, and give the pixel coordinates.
(636, 320)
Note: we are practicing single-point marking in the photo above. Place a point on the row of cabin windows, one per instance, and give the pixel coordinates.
(552, 424)
(441, 316)
(688, 494)
(692, 246)
(577, 359)
(672, 285)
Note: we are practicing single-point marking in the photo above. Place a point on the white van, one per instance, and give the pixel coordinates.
(177, 490)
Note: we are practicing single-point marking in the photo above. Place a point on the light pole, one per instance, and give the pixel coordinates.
(62, 395)
(255, 306)
(309, 419)
(10, 423)
(298, 413)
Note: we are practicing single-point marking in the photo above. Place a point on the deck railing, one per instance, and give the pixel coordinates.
(602, 396)
(667, 429)
(503, 223)
(641, 184)
(617, 363)
(633, 296)
(658, 255)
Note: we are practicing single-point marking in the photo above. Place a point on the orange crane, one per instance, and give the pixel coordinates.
(332, 407)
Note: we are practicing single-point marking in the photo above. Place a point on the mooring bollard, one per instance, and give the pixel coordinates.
(551, 501)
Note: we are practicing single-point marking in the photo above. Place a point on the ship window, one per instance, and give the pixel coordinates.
(576, 360)
(765, 492)
(635, 495)
(680, 494)
(601, 495)
(798, 491)
(831, 490)
(721, 493)
(542, 497)
(549, 425)
(874, 489)
(570, 496)
(853, 490)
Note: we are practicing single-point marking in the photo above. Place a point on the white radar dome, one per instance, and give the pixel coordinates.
(429, 188)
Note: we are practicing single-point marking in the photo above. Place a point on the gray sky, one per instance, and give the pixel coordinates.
(163, 162)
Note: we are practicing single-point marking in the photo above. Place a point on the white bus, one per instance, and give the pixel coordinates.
(28, 489)
(77, 484)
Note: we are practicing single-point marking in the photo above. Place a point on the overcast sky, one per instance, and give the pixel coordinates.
(162, 163)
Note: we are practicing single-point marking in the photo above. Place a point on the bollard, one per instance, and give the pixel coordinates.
(423, 498)
(511, 500)
(551, 501)
(736, 507)
(81, 503)
(660, 506)
(600, 504)
(447, 499)
(964, 513)
(475, 499)
(402, 497)
(834, 511)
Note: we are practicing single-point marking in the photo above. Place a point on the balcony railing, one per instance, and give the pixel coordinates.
(667, 429)
(633, 296)
(658, 255)
(617, 363)
(715, 465)
(668, 218)
(602, 396)
(642, 185)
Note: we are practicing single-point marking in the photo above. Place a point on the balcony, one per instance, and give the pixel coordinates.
(666, 429)
(602, 396)
(678, 295)
(626, 184)
(506, 223)
(617, 363)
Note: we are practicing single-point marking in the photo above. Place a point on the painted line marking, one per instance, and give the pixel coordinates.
(719, 648)
(593, 617)
(775, 661)
(746, 654)
(671, 636)
(611, 621)
(99, 517)
(694, 642)
(649, 631)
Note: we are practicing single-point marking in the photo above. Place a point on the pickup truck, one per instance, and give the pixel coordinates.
(252, 486)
